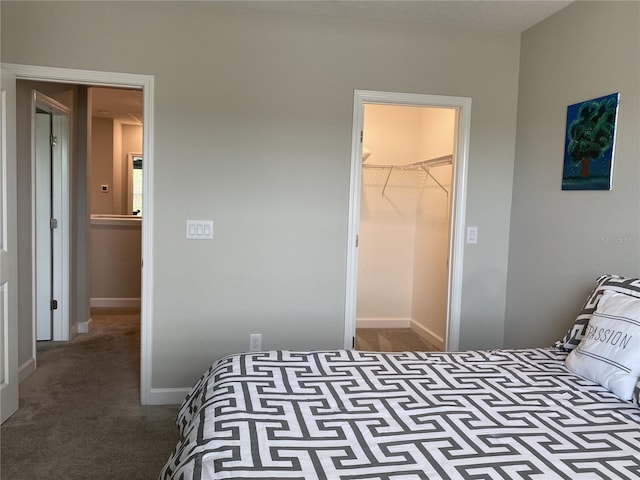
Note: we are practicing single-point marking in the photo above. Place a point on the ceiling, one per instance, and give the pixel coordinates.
(117, 103)
(503, 15)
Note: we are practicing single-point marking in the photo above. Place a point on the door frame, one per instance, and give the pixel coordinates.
(59, 203)
(146, 83)
(458, 202)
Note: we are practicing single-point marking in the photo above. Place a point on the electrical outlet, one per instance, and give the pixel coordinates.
(255, 342)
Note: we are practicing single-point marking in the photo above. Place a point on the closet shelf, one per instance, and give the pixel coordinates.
(423, 165)
(433, 162)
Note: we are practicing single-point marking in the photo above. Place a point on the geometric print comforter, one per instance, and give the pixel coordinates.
(507, 414)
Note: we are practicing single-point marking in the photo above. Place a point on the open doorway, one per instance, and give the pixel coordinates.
(80, 80)
(404, 227)
(433, 178)
(115, 197)
(113, 152)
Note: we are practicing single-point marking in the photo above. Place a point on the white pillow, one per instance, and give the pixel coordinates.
(609, 352)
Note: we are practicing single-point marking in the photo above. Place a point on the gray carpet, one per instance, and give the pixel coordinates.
(80, 415)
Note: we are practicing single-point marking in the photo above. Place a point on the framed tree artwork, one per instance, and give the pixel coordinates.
(589, 144)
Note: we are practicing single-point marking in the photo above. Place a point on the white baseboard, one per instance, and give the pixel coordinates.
(114, 302)
(83, 327)
(26, 369)
(383, 322)
(428, 335)
(166, 396)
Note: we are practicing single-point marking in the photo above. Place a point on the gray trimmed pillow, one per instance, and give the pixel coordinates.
(602, 355)
(615, 283)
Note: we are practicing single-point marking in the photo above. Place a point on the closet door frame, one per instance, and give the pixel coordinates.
(462, 105)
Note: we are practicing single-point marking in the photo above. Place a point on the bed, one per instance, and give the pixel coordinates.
(345, 414)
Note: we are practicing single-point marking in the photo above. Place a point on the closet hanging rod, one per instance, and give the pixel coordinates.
(433, 162)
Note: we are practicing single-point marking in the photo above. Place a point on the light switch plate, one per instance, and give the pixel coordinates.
(255, 342)
(472, 234)
(199, 230)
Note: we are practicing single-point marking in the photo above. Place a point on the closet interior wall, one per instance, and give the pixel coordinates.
(404, 219)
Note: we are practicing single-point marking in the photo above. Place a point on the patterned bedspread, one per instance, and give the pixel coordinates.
(508, 414)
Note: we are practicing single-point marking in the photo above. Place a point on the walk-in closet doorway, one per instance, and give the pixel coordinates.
(404, 222)
(408, 205)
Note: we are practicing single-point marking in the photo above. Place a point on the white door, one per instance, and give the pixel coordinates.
(43, 278)
(52, 218)
(8, 253)
(60, 207)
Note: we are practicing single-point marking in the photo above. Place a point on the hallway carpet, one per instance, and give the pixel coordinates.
(80, 415)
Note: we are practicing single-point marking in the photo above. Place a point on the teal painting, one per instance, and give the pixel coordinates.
(589, 144)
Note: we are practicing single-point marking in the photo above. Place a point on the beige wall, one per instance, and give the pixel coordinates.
(430, 274)
(438, 125)
(110, 144)
(562, 240)
(387, 223)
(118, 171)
(131, 143)
(115, 262)
(114, 251)
(253, 116)
(101, 166)
(393, 134)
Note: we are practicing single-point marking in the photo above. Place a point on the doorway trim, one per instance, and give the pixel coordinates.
(458, 202)
(146, 83)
